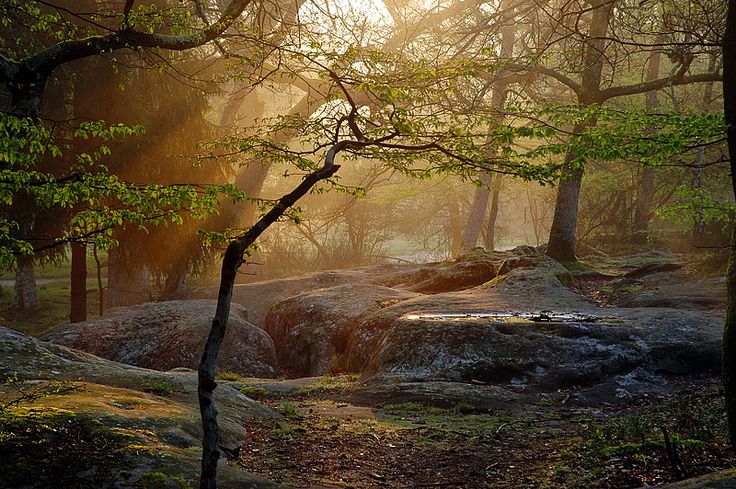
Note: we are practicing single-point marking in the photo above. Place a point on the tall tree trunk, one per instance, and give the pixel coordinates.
(474, 225)
(476, 217)
(454, 228)
(729, 330)
(125, 286)
(26, 297)
(561, 245)
(78, 278)
(646, 186)
(490, 236)
(698, 231)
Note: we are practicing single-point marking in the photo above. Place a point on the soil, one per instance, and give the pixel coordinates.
(324, 441)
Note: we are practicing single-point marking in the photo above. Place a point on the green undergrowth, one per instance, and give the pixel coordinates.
(662, 443)
(330, 384)
(55, 303)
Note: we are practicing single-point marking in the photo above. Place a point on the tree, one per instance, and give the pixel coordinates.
(594, 44)
(729, 110)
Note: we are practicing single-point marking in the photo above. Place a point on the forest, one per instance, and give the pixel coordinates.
(389, 243)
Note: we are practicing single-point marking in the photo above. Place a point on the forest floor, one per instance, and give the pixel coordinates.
(326, 441)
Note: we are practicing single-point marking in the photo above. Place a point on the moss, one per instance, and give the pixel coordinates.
(229, 376)
(255, 392)
(576, 266)
(46, 446)
(159, 387)
(330, 384)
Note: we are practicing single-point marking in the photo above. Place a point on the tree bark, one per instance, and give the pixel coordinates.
(78, 279)
(125, 286)
(729, 330)
(26, 297)
(454, 227)
(490, 238)
(561, 245)
(474, 225)
(233, 259)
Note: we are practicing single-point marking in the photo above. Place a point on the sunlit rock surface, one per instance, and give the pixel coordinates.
(166, 335)
(153, 415)
(311, 330)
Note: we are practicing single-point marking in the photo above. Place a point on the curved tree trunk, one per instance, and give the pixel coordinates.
(233, 259)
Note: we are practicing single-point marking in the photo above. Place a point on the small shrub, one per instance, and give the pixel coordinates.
(159, 387)
(289, 410)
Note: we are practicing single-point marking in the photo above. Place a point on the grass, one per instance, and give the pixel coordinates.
(160, 387)
(330, 384)
(55, 299)
(62, 269)
(229, 376)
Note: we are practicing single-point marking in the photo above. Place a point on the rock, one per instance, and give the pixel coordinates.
(540, 263)
(259, 297)
(172, 334)
(674, 290)
(725, 479)
(449, 337)
(311, 330)
(548, 355)
(468, 270)
(440, 394)
(121, 400)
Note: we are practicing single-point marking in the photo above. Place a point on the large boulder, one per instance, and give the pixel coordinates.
(259, 297)
(545, 352)
(520, 289)
(311, 330)
(166, 335)
(525, 330)
(144, 424)
(467, 270)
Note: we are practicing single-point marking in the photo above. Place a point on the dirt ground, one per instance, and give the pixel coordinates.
(326, 442)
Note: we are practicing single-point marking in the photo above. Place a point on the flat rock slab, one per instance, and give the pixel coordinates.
(440, 394)
(171, 334)
(117, 396)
